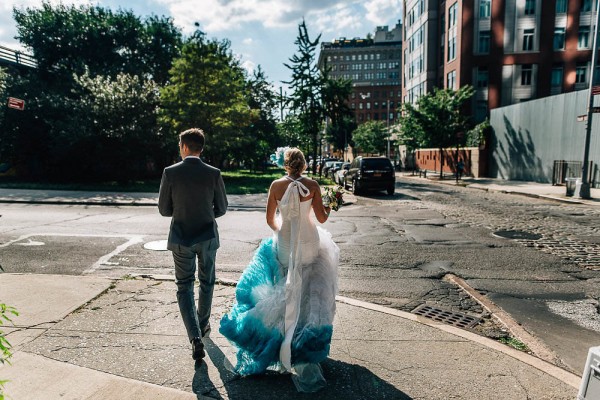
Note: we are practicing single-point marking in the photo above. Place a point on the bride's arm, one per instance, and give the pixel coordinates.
(321, 212)
(271, 209)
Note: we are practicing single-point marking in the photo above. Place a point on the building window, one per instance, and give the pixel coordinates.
(484, 42)
(586, 5)
(561, 6)
(481, 109)
(451, 80)
(485, 8)
(559, 38)
(557, 76)
(526, 72)
(529, 7)
(584, 37)
(482, 77)
(452, 15)
(451, 48)
(528, 39)
(580, 72)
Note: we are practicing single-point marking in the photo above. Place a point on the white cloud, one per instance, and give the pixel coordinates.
(249, 66)
(247, 41)
(337, 21)
(222, 15)
(379, 12)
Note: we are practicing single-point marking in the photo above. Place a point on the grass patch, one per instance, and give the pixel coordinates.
(514, 343)
(236, 182)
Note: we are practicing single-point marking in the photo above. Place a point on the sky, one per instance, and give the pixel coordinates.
(262, 32)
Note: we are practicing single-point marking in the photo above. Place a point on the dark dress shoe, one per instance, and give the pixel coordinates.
(197, 349)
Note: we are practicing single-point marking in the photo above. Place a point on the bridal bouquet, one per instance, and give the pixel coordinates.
(333, 197)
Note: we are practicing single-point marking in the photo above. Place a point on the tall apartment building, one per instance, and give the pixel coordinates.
(508, 50)
(373, 64)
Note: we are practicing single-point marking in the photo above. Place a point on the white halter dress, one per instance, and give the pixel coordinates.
(285, 299)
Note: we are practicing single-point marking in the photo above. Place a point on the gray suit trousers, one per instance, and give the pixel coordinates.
(195, 319)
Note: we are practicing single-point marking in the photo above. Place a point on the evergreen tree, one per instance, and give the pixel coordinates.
(306, 85)
(341, 121)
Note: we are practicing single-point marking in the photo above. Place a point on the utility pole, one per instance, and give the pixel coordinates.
(281, 103)
(584, 191)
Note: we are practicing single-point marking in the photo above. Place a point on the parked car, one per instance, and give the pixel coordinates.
(333, 168)
(338, 176)
(370, 173)
(326, 164)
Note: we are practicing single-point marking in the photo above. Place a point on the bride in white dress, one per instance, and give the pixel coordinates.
(285, 299)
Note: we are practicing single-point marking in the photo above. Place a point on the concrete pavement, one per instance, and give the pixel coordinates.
(88, 337)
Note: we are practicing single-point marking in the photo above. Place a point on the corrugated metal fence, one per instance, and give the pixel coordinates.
(530, 138)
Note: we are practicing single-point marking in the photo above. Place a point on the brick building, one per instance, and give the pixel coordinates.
(373, 64)
(510, 51)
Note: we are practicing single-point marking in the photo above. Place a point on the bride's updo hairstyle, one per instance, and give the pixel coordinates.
(293, 161)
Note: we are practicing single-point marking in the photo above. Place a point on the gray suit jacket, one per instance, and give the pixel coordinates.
(193, 193)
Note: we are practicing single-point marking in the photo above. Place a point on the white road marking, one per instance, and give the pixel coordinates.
(133, 239)
(104, 259)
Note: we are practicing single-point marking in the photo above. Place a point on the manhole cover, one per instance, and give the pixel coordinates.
(159, 245)
(448, 317)
(518, 235)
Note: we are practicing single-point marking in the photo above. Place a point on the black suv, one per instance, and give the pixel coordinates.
(370, 173)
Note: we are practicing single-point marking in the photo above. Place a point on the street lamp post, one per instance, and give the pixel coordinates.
(584, 191)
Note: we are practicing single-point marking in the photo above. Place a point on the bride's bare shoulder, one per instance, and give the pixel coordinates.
(310, 183)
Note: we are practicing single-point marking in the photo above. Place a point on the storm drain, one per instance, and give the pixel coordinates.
(448, 317)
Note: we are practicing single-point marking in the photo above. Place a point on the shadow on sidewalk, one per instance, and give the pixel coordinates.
(344, 381)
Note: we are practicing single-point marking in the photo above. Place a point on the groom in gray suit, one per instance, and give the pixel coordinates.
(193, 194)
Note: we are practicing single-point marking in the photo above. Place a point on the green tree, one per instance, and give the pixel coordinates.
(479, 134)
(122, 142)
(306, 85)
(97, 69)
(336, 93)
(290, 134)
(261, 136)
(67, 39)
(371, 137)
(437, 119)
(207, 89)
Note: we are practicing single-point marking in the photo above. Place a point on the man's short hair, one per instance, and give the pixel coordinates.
(193, 138)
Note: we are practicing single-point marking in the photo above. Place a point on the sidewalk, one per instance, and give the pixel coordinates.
(97, 338)
(531, 189)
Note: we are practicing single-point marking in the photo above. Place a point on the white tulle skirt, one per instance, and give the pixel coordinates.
(255, 325)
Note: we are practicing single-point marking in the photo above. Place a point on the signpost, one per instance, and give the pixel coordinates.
(15, 103)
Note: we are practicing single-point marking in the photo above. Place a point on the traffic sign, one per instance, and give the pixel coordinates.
(15, 103)
(596, 109)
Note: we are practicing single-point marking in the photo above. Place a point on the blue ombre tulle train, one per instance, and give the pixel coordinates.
(255, 325)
